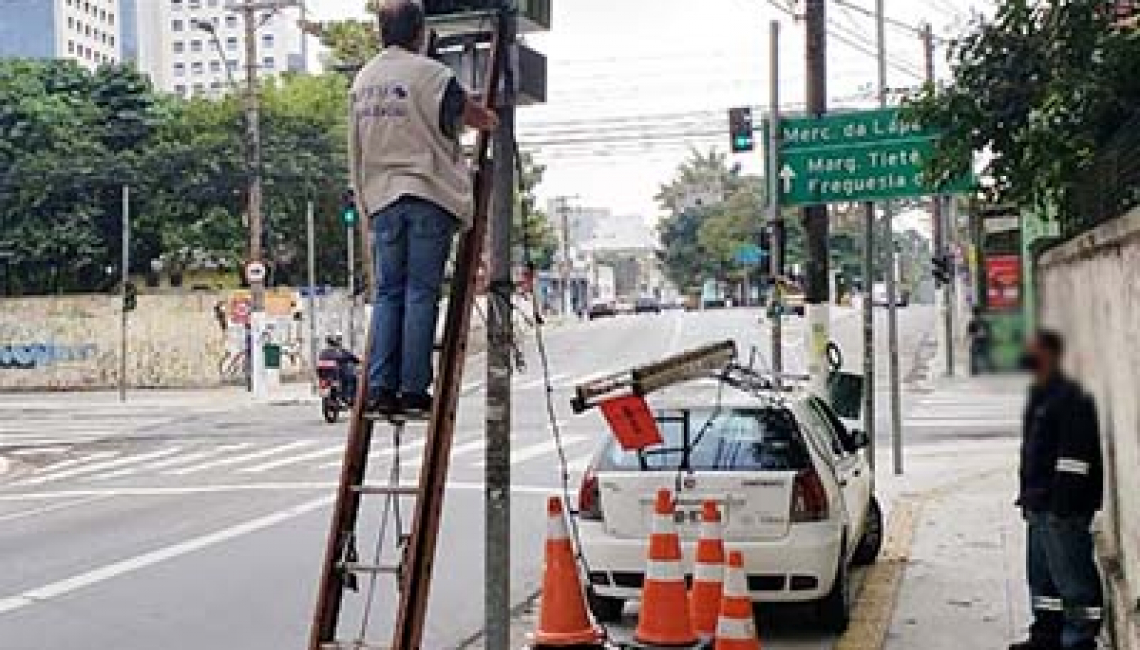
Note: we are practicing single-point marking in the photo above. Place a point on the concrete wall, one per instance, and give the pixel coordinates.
(1090, 290)
(175, 341)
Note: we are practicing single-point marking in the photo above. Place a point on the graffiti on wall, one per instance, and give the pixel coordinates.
(32, 356)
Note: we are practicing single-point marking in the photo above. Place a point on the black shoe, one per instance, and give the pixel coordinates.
(416, 406)
(1037, 643)
(385, 403)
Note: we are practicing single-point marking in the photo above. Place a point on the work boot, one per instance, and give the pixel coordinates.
(416, 405)
(384, 403)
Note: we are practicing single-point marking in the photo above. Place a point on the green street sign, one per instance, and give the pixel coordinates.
(861, 156)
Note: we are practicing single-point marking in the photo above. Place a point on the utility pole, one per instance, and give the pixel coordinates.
(775, 217)
(938, 216)
(249, 10)
(815, 216)
(310, 228)
(892, 288)
(564, 213)
(351, 235)
(497, 547)
(126, 279)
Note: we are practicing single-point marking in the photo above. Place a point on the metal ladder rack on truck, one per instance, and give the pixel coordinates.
(416, 547)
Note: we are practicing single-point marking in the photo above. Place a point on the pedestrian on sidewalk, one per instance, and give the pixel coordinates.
(1061, 491)
(981, 338)
(411, 177)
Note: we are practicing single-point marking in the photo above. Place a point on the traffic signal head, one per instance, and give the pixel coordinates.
(740, 129)
(348, 208)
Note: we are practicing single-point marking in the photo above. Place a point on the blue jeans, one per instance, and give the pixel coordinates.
(1063, 579)
(412, 244)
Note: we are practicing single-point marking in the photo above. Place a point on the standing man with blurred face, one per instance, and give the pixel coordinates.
(1061, 490)
(413, 181)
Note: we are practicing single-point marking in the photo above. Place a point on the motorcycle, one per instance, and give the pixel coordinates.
(334, 398)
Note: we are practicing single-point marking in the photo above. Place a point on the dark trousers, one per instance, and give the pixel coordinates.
(1063, 580)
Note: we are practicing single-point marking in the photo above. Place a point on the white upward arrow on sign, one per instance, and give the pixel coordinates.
(787, 174)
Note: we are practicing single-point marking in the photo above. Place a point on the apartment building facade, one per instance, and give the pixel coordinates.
(197, 47)
(89, 32)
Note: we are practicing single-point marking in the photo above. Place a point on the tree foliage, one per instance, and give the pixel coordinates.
(1038, 89)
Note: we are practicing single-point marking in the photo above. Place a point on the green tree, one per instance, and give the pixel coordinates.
(1038, 88)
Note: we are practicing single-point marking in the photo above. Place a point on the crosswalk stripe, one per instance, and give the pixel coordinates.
(72, 462)
(293, 460)
(410, 446)
(172, 462)
(237, 460)
(530, 452)
(89, 469)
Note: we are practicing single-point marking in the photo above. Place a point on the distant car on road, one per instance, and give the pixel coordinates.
(792, 482)
(647, 306)
(601, 309)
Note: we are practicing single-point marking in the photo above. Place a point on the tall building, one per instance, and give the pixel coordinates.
(90, 32)
(194, 47)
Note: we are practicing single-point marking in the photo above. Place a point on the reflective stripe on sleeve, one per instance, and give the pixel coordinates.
(1045, 604)
(1073, 466)
(1084, 613)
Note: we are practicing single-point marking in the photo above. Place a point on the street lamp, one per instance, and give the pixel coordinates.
(208, 27)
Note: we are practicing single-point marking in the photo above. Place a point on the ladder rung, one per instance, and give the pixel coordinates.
(392, 490)
(357, 567)
(397, 420)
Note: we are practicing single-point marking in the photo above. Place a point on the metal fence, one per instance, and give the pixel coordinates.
(1111, 185)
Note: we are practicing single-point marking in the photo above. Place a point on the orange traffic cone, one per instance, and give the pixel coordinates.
(736, 629)
(563, 621)
(664, 620)
(708, 574)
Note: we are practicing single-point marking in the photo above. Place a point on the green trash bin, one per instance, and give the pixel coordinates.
(272, 356)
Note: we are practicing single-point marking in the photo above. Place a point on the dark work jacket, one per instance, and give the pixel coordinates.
(1061, 467)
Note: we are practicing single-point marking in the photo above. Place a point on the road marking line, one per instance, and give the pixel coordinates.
(97, 467)
(40, 451)
(43, 510)
(172, 462)
(240, 487)
(579, 465)
(410, 446)
(236, 460)
(131, 565)
(293, 460)
(530, 452)
(540, 382)
(472, 387)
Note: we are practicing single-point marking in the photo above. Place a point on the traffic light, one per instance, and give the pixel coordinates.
(943, 270)
(130, 297)
(348, 208)
(740, 129)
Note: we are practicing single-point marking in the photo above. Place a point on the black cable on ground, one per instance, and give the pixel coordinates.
(551, 412)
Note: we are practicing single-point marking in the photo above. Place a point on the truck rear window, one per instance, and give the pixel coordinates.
(728, 440)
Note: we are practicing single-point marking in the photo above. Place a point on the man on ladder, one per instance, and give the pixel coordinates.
(412, 179)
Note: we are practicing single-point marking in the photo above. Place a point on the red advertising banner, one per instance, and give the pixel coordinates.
(1003, 282)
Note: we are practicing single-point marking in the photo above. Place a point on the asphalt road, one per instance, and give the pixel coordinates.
(183, 528)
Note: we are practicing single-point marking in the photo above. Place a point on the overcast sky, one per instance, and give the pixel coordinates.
(634, 83)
